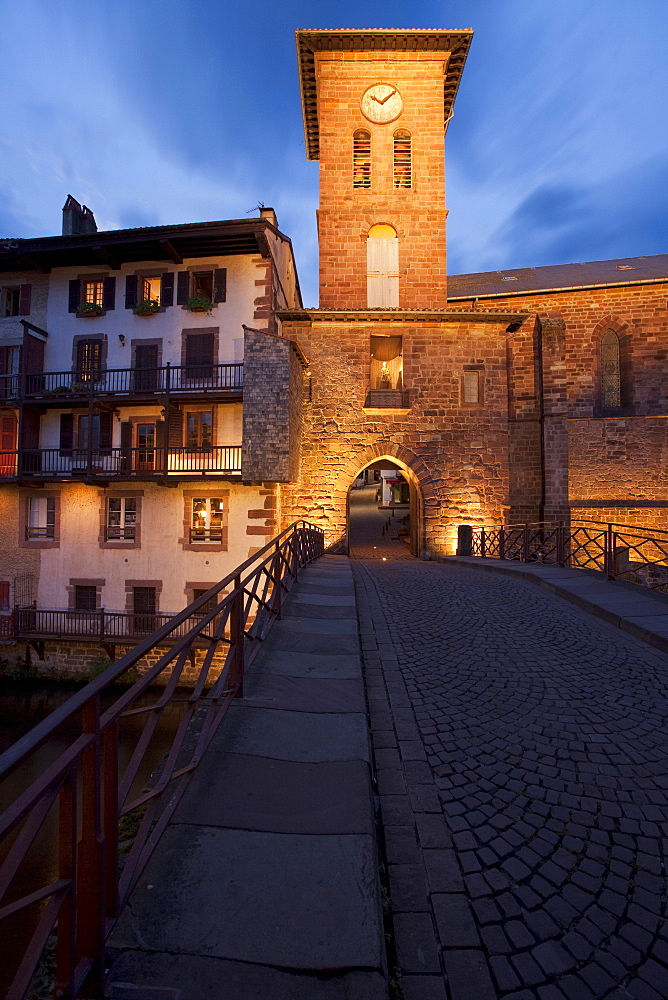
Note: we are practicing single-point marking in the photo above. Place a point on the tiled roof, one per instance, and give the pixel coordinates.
(519, 280)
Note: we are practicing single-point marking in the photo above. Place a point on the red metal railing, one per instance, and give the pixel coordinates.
(85, 792)
(636, 555)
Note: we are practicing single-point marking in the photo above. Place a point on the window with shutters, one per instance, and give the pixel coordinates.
(209, 284)
(611, 371)
(471, 387)
(199, 355)
(92, 289)
(402, 162)
(152, 286)
(41, 522)
(382, 259)
(121, 519)
(15, 300)
(144, 607)
(361, 159)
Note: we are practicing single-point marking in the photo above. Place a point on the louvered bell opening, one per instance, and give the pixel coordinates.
(362, 159)
(402, 159)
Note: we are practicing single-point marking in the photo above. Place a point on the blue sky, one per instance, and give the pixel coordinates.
(164, 111)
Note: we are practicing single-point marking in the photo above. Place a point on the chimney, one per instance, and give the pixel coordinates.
(77, 220)
(270, 215)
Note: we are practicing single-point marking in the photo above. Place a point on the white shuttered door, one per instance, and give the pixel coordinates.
(382, 265)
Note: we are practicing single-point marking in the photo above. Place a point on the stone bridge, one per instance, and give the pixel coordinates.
(443, 784)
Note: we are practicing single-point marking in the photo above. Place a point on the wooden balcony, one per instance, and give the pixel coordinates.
(67, 387)
(40, 464)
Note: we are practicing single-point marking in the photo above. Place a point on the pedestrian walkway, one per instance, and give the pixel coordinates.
(266, 884)
(520, 748)
(374, 531)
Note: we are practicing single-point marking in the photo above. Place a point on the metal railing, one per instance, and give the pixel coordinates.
(120, 463)
(622, 552)
(166, 379)
(86, 791)
(98, 625)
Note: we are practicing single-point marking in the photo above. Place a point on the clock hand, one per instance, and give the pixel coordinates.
(387, 98)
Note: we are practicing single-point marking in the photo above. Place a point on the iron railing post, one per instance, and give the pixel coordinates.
(610, 546)
(561, 548)
(168, 384)
(525, 543)
(67, 869)
(237, 637)
(502, 542)
(110, 766)
(278, 586)
(90, 886)
(483, 543)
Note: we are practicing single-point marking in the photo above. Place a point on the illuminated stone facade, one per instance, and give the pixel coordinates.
(495, 406)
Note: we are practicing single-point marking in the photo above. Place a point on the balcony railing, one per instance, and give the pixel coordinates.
(120, 463)
(98, 626)
(70, 385)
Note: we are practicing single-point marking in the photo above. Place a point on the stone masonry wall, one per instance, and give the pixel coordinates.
(455, 454)
(271, 413)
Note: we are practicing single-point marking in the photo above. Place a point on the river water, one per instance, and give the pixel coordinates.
(22, 706)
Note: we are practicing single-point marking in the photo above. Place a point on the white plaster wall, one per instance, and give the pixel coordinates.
(242, 271)
(160, 557)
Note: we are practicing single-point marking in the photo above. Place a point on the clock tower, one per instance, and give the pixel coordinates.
(376, 104)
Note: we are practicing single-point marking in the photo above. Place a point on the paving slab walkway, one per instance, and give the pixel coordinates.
(520, 748)
(266, 884)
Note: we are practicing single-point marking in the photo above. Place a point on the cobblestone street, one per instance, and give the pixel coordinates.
(521, 760)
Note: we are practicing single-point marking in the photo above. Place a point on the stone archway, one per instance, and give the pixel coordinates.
(425, 507)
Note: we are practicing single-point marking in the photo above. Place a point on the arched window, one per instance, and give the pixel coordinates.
(403, 169)
(362, 159)
(382, 265)
(611, 372)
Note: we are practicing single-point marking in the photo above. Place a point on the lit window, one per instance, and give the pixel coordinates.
(207, 519)
(93, 291)
(121, 522)
(386, 369)
(362, 159)
(89, 360)
(41, 517)
(150, 289)
(403, 170)
(611, 391)
(199, 428)
(471, 387)
(202, 284)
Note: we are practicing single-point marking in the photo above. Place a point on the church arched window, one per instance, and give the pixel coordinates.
(361, 158)
(611, 372)
(403, 167)
(382, 266)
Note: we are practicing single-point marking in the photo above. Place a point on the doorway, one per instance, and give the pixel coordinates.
(384, 513)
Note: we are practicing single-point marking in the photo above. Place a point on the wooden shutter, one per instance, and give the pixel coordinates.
(126, 445)
(75, 295)
(4, 595)
(175, 428)
(182, 287)
(167, 289)
(131, 286)
(66, 433)
(220, 284)
(109, 293)
(24, 300)
(33, 353)
(8, 434)
(30, 428)
(199, 350)
(105, 430)
(89, 359)
(382, 273)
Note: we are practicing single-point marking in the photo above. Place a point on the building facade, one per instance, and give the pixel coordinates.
(534, 394)
(137, 369)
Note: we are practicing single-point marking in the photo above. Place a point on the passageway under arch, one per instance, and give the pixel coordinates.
(384, 513)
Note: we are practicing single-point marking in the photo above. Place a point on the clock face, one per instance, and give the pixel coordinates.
(381, 103)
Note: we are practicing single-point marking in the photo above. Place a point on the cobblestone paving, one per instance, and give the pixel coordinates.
(520, 747)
